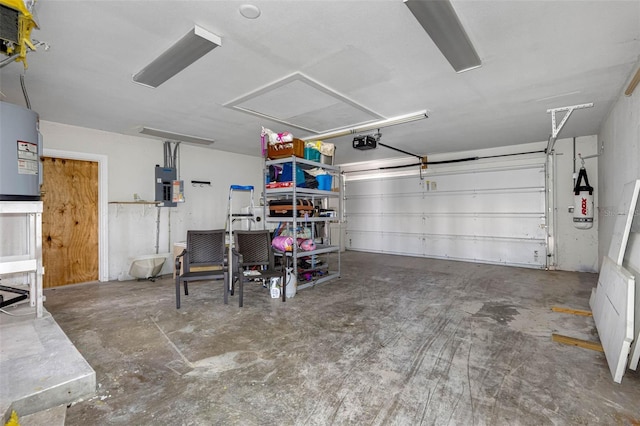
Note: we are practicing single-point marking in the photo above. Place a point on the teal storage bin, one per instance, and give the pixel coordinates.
(311, 154)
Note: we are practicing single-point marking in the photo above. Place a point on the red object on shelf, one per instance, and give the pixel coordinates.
(273, 185)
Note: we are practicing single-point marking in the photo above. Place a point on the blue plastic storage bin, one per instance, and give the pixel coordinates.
(287, 175)
(324, 182)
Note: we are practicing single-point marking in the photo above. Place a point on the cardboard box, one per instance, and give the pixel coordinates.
(286, 149)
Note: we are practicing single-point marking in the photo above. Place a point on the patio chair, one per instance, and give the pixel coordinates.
(255, 260)
(203, 259)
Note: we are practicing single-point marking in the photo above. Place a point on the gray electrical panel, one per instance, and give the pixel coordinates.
(165, 176)
(20, 150)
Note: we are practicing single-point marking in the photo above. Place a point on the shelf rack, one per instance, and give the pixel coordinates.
(31, 263)
(316, 196)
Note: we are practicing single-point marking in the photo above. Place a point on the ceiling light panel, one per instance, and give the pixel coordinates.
(300, 102)
(177, 137)
(194, 45)
(440, 21)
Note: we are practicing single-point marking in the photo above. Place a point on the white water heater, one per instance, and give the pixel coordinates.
(20, 151)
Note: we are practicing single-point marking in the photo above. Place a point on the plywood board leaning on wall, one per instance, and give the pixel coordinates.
(625, 250)
(632, 263)
(612, 304)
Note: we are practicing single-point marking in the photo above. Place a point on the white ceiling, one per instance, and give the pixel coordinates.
(535, 55)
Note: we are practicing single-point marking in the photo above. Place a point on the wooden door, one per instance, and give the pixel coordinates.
(69, 221)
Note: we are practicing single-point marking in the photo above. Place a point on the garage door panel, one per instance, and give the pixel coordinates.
(517, 253)
(402, 204)
(489, 216)
(526, 201)
(385, 223)
(497, 226)
(491, 179)
(411, 224)
(487, 202)
(363, 240)
(398, 186)
(402, 243)
(364, 205)
(392, 243)
(365, 222)
(515, 226)
(364, 187)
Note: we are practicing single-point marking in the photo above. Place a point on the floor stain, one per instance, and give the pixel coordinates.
(225, 362)
(502, 314)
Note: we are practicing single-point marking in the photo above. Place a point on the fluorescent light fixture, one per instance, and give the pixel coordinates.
(439, 20)
(401, 119)
(178, 137)
(194, 45)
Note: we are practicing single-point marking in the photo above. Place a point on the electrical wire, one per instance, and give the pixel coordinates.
(176, 163)
(171, 157)
(164, 153)
(24, 91)
(167, 154)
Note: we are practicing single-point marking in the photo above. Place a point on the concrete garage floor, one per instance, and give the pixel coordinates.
(397, 340)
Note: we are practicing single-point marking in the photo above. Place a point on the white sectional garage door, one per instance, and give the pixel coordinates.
(487, 213)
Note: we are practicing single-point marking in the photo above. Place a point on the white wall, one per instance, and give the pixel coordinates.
(577, 249)
(619, 163)
(131, 164)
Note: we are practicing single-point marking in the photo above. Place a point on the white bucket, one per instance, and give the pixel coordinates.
(292, 283)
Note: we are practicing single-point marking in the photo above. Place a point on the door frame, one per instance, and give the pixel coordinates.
(103, 208)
